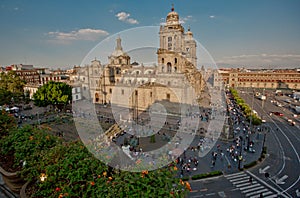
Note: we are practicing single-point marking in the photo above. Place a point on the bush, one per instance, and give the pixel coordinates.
(70, 170)
(185, 179)
(251, 164)
(206, 175)
(245, 107)
(264, 150)
(26, 143)
(73, 171)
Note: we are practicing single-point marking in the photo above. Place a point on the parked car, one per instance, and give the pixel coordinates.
(278, 113)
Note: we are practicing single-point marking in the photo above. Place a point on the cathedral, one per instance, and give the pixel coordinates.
(174, 79)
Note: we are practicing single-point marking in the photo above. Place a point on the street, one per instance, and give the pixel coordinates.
(278, 175)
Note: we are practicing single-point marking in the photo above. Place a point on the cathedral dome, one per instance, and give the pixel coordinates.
(172, 17)
(118, 50)
(117, 53)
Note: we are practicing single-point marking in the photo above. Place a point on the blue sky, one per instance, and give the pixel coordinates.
(61, 33)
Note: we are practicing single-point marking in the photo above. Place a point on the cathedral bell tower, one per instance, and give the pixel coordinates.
(175, 45)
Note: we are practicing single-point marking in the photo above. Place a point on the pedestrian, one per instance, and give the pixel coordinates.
(250, 179)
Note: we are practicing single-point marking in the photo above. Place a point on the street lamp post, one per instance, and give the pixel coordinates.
(263, 101)
(240, 155)
(251, 120)
(264, 140)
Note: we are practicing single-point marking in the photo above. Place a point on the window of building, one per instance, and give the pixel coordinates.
(175, 60)
(169, 43)
(169, 67)
(150, 93)
(162, 60)
(169, 46)
(110, 90)
(122, 91)
(76, 97)
(168, 96)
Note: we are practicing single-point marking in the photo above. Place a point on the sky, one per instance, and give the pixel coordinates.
(60, 34)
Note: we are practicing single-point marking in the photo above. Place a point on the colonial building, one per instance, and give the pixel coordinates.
(268, 79)
(174, 78)
(30, 76)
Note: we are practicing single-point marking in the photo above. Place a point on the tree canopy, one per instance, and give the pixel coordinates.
(11, 86)
(53, 93)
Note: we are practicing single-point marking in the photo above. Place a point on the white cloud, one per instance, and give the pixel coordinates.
(124, 16)
(185, 19)
(132, 21)
(262, 59)
(16, 8)
(212, 16)
(81, 34)
(182, 20)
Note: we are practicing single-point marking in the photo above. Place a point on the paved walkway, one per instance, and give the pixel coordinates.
(4, 191)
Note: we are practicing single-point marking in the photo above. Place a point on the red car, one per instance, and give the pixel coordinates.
(278, 113)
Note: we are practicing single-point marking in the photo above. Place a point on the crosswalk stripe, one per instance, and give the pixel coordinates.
(241, 181)
(250, 186)
(271, 196)
(252, 189)
(237, 176)
(267, 193)
(233, 174)
(245, 184)
(237, 179)
(264, 194)
(256, 192)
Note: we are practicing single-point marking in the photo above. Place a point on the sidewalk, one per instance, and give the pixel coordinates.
(4, 191)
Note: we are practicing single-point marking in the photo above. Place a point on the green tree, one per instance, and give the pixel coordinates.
(11, 86)
(7, 122)
(5, 96)
(53, 93)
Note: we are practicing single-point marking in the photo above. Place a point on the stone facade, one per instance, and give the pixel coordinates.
(265, 79)
(175, 78)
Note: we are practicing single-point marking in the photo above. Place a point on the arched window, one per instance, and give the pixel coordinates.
(97, 97)
(169, 67)
(162, 60)
(175, 60)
